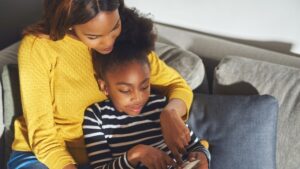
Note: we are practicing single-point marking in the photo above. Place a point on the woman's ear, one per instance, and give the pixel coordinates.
(103, 86)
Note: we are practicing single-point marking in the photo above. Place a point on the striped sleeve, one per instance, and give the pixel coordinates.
(99, 153)
(196, 146)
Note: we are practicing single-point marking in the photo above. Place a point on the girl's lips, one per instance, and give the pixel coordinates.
(136, 108)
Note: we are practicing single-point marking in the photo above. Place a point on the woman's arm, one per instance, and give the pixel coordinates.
(170, 83)
(37, 103)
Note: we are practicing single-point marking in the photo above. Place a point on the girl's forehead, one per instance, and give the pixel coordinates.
(128, 70)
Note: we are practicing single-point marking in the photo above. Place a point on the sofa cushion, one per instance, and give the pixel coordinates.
(12, 103)
(1, 130)
(9, 55)
(241, 130)
(188, 64)
(280, 81)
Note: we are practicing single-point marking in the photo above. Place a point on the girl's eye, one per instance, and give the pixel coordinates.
(145, 87)
(124, 91)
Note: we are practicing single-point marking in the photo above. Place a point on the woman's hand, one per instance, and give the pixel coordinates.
(176, 134)
(150, 157)
(203, 164)
(70, 166)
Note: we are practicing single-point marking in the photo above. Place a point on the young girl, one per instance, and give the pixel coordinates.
(57, 82)
(124, 131)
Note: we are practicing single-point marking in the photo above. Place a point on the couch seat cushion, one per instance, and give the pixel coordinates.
(280, 81)
(241, 130)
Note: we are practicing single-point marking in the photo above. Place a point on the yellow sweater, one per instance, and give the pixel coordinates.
(57, 84)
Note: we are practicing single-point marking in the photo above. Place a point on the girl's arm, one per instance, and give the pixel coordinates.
(195, 150)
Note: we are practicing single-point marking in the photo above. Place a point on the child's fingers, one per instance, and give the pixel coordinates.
(193, 156)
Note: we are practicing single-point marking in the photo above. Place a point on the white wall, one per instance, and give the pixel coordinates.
(257, 20)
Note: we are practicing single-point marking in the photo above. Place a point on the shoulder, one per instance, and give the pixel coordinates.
(153, 59)
(157, 101)
(43, 42)
(32, 45)
(35, 40)
(152, 55)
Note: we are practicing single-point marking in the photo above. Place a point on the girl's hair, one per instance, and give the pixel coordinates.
(135, 42)
(122, 55)
(60, 15)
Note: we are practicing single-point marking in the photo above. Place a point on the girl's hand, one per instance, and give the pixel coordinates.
(203, 164)
(150, 157)
(176, 134)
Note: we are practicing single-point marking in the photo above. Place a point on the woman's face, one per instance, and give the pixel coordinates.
(100, 32)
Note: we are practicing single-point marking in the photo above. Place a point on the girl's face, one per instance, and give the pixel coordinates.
(100, 32)
(128, 87)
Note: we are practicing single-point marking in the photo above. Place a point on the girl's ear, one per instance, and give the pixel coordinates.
(103, 86)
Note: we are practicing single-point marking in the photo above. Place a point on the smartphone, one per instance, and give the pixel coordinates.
(190, 164)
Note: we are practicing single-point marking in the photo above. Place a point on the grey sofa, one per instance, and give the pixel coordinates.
(236, 86)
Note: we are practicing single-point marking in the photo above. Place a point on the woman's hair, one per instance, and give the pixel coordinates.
(60, 15)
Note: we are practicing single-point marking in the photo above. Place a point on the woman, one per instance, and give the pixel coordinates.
(57, 82)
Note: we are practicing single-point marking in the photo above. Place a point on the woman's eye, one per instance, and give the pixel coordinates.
(117, 26)
(92, 38)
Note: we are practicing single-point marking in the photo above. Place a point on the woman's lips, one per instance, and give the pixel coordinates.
(108, 49)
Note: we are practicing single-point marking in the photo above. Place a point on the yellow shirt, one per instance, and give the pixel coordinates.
(57, 83)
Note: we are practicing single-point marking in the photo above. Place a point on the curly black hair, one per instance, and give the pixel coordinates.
(135, 42)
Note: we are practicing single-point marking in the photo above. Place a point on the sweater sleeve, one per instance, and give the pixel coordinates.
(35, 70)
(99, 152)
(169, 81)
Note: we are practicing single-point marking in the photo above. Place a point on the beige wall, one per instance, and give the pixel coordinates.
(270, 23)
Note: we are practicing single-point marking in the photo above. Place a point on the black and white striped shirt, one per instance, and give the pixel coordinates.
(109, 134)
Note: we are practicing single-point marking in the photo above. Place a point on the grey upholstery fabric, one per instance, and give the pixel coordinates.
(280, 81)
(9, 55)
(2, 152)
(212, 49)
(12, 104)
(188, 64)
(241, 130)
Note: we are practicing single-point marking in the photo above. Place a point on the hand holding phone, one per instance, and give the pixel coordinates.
(190, 164)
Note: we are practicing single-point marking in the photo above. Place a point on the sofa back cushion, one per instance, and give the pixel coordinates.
(280, 81)
(12, 104)
(1, 130)
(188, 64)
(241, 130)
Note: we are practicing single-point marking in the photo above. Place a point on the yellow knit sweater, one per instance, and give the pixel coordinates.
(57, 84)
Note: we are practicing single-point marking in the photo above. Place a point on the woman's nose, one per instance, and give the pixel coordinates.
(108, 41)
